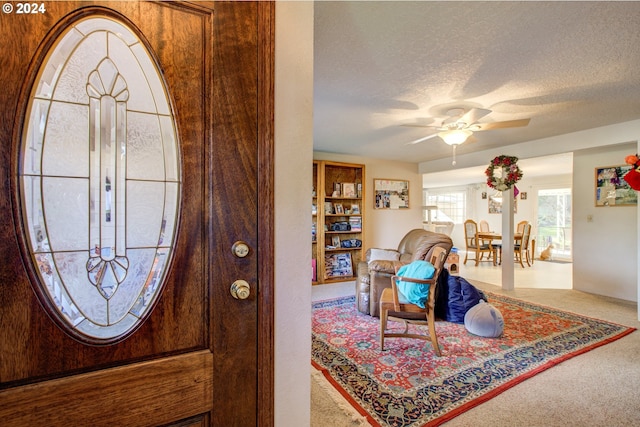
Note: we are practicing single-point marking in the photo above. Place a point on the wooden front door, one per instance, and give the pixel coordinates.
(201, 357)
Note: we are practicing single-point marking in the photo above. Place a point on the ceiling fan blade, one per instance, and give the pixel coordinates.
(416, 125)
(473, 115)
(500, 125)
(422, 139)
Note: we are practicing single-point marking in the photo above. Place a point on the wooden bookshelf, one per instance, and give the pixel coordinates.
(339, 220)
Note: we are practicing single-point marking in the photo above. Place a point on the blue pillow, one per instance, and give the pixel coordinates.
(484, 320)
(416, 293)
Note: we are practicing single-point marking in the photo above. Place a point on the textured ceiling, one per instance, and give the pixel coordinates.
(568, 66)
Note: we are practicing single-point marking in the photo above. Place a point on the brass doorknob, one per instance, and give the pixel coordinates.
(240, 289)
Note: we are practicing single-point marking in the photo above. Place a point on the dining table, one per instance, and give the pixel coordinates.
(492, 236)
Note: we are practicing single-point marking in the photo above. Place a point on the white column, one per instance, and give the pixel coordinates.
(507, 241)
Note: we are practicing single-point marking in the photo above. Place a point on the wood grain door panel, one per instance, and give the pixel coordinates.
(155, 392)
(202, 357)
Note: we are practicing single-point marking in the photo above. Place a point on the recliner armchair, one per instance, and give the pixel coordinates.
(374, 274)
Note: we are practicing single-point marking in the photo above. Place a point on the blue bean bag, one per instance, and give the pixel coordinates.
(455, 297)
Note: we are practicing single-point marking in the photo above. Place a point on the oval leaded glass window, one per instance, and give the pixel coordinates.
(100, 179)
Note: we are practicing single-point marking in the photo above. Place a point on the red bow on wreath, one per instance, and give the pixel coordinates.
(633, 176)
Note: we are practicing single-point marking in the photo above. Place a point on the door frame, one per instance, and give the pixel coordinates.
(266, 219)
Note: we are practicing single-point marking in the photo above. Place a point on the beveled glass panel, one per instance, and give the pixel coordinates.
(66, 210)
(170, 214)
(141, 98)
(160, 99)
(57, 292)
(90, 51)
(106, 25)
(170, 145)
(33, 208)
(145, 202)
(51, 70)
(71, 267)
(149, 292)
(94, 330)
(100, 183)
(144, 147)
(65, 145)
(32, 155)
(135, 283)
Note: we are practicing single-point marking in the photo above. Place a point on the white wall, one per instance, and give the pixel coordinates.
(384, 228)
(605, 249)
(293, 171)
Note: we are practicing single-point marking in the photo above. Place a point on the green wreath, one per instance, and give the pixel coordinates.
(510, 173)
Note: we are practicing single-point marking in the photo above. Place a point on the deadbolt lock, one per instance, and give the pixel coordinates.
(240, 249)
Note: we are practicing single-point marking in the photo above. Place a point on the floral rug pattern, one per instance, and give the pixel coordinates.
(408, 385)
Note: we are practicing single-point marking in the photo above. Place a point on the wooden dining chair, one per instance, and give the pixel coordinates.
(476, 245)
(521, 247)
(520, 226)
(484, 227)
(395, 307)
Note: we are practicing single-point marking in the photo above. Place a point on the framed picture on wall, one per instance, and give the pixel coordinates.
(391, 194)
(495, 205)
(612, 189)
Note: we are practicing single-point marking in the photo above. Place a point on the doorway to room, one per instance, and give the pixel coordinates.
(553, 224)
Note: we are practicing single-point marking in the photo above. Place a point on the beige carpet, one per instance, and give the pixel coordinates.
(598, 389)
(328, 407)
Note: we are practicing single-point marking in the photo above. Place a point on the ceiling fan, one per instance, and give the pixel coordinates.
(454, 131)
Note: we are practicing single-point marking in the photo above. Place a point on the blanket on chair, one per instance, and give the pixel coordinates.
(415, 293)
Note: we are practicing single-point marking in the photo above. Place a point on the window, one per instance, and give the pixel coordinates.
(554, 222)
(100, 180)
(451, 205)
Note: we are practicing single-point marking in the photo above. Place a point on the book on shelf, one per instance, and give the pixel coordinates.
(356, 223)
(338, 265)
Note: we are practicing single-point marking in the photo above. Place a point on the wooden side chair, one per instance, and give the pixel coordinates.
(484, 227)
(521, 248)
(532, 244)
(395, 307)
(520, 226)
(476, 245)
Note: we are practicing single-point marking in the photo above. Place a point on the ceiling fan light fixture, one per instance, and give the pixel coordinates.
(455, 136)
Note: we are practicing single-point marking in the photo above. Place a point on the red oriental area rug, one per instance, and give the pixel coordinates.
(408, 385)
